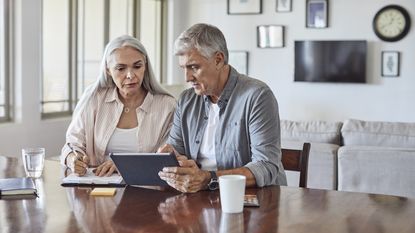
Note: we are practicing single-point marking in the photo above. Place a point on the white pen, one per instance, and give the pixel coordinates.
(73, 151)
(77, 156)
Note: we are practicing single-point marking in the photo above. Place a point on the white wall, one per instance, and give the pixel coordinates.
(383, 99)
(28, 130)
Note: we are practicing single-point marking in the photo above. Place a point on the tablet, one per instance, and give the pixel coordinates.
(143, 168)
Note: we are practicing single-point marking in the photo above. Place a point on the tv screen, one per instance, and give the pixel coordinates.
(330, 61)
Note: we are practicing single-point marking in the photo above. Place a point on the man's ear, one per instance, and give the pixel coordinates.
(219, 59)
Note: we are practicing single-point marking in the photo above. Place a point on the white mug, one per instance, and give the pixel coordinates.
(232, 191)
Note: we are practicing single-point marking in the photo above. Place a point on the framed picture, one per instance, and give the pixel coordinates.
(239, 61)
(316, 14)
(283, 6)
(390, 64)
(270, 36)
(244, 7)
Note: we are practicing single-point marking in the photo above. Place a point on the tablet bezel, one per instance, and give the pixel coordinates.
(143, 168)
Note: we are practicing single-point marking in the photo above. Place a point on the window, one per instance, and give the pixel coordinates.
(56, 88)
(5, 114)
(72, 54)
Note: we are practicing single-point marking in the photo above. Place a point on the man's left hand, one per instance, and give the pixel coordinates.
(187, 178)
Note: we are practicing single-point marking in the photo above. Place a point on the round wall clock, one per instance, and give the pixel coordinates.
(391, 23)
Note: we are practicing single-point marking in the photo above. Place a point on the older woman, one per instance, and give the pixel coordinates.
(126, 110)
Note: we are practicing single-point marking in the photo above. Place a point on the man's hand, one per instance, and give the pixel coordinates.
(187, 178)
(167, 148)
(77, 163)
(106, 169)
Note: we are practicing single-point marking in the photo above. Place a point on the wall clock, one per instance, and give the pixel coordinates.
(391, 23)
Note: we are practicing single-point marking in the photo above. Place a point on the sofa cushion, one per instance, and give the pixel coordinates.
(322, 165)
(372, 133)
(311, 131)
(382, 170)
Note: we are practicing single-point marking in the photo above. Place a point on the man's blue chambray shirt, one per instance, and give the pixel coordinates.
(248, 133)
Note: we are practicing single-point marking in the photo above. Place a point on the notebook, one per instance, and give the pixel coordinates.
(143, 168)
(17, 186)
(90, 179)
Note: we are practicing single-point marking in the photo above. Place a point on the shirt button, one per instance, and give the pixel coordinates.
(197, 141)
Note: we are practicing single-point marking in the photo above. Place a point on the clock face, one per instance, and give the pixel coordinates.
(391, 23)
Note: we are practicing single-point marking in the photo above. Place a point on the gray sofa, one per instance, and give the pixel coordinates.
(359, 156)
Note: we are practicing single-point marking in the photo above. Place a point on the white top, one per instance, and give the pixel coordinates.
(207, 156)
(95, 121)
(123, 140)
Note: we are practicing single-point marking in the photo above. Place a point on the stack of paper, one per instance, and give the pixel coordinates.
(91, 178)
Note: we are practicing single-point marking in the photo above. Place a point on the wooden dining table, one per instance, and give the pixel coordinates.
(137, 209)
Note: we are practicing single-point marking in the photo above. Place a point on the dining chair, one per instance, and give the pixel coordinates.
(297, 160)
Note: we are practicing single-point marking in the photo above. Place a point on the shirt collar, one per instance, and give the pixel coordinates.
(228, 89)
(145, 106)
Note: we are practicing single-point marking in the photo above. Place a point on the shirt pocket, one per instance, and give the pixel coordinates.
(234, 136)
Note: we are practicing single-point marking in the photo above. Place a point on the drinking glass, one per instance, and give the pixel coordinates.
(33, 161)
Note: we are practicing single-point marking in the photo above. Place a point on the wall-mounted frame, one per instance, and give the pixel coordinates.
(390, 63)
(270, 36)
(244, 7)
(239, 61)
(283, 5)
(317, 14)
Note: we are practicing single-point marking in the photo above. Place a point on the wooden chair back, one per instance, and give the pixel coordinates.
(297, 160)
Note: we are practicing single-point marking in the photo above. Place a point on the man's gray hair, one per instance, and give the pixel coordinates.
(206, 39)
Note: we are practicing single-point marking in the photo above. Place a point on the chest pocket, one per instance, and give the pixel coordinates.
(234, 136)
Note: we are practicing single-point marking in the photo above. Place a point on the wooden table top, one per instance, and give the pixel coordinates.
(132, 209)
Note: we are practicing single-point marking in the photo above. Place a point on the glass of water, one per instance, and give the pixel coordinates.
(33, 160)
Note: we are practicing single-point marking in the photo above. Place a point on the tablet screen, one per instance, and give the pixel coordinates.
(143, 168)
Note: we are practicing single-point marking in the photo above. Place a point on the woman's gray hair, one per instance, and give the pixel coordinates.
(149, 81)
(105, 81)
(205, 38)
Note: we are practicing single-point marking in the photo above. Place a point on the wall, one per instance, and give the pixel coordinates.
(383, 99)
(28, 130)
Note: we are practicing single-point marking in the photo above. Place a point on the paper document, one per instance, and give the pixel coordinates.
(91, 178)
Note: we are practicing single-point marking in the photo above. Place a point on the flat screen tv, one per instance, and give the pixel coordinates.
(330, 61)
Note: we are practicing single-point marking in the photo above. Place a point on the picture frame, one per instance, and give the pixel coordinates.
(283, 5)
(244, 7)
(239, 60)
(270, 36)
(317, 14)
(390, 63)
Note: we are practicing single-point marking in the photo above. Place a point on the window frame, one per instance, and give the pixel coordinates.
(73, 44)
(8, 61)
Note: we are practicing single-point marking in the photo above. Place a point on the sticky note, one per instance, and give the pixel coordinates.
(103, 192)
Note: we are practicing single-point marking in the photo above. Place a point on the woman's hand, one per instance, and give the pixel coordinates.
(106, 169)
(77, 163)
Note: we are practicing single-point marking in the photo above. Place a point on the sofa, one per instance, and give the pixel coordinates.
(355, 155)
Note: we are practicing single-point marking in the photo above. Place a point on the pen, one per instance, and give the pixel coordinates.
(77, 156)
(73, 151)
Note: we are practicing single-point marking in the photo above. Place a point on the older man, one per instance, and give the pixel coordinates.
(227, 123)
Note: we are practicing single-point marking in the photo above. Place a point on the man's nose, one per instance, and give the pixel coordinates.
(188, 73)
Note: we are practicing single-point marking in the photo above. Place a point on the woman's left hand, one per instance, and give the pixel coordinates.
(106, 169)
